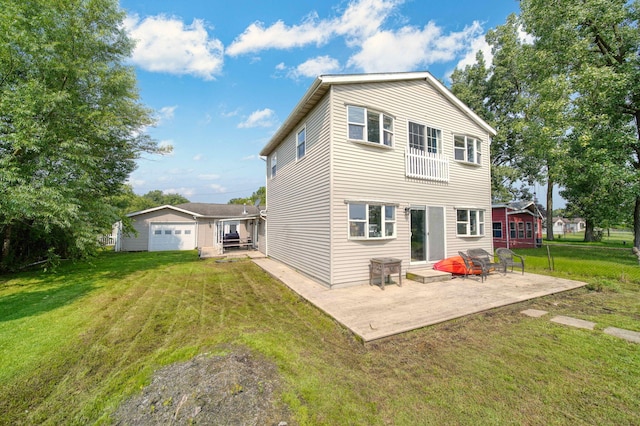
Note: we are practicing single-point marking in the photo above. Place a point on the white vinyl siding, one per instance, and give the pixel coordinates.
(361, 172)
(298, 218)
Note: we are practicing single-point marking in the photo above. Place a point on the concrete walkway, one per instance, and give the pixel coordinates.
(631, 336)
(372, 314)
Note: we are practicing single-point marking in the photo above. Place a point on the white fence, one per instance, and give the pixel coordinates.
(425, 165)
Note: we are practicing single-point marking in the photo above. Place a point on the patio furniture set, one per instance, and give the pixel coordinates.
(480, 262)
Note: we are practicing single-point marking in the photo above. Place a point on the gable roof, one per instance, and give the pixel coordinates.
(322, 84)
(221, 210)
(166, 206)
(207, 210)
(516, 207)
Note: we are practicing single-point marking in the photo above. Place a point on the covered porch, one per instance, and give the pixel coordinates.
(372, 314)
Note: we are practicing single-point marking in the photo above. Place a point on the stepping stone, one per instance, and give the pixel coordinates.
(536, 313)
(574, 322)
(632, 336)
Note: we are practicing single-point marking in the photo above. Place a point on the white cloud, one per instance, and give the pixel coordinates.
(185, 192)
(261, 118)
(217, 188)
(168, 45)
(249, 157)
(166, 113)
(198, 157)
(315, 67)
(361, 19)
(208, 177)
(387, 50)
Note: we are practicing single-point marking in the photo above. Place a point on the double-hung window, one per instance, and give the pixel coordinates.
(497, 229)
(467, 149)
(274, 164)
(529, 230)
(423, 138)
(512, 229)
(369, 126)
(520, 229)
(371, 221)
(469, 222)
(301, 143)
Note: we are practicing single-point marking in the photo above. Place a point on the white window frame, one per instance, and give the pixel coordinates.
(383, 230)
(384, 131)
(426, 137)
(472, 225)
(529, 230)
(274, 164)
(467, 149)
(301, 143)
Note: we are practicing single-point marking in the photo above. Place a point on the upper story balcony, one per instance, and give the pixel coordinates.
(426, 165)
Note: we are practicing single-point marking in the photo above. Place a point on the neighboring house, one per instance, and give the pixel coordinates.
(376, 165)
(516, 225)
(194, 225)
(562, 225)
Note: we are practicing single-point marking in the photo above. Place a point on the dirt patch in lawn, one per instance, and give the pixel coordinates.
(234, 389)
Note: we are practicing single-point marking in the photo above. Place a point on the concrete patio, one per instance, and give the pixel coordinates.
(372, 313)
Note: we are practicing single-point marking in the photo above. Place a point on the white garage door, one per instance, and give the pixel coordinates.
(172, 236)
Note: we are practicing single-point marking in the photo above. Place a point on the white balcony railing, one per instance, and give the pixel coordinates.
(425, 165)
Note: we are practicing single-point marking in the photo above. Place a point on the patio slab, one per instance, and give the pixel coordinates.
(573, 322)
(631, 336)
(373, 314)
(535, 313)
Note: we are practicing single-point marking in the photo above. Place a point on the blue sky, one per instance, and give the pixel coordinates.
(222, 76)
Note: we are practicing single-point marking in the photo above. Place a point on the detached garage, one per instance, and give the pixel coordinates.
(172, 236)
(193, 225)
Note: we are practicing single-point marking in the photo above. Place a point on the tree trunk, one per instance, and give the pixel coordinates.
(549, 209)
(636, 224)
(588, 232)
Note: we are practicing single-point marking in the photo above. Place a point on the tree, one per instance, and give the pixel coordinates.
(70, 125)
(595, 44)
(524, 108)
(259, 194)
(127, 201)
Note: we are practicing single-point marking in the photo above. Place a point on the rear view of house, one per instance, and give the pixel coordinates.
(376, 165)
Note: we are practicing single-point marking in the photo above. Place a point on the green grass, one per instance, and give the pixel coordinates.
(75, 343)
(610, 238)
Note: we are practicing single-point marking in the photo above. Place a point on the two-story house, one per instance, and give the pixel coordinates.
(376, 165)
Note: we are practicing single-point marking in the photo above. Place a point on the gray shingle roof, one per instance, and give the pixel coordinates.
(220, 210)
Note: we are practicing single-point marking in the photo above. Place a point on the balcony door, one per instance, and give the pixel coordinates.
(427, 234)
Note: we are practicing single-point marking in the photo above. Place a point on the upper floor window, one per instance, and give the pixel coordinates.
(371, 221)
(301, 142)
(424, 138)
(469, 222)
(467, 149)
(369, 126)
(274, 164)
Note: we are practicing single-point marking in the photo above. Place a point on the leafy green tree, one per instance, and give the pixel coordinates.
(259, 194)
(70, 125)
(157, 198)
(526, 109)
(594, 45)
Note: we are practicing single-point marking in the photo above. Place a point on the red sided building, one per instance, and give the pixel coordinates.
(516, 225)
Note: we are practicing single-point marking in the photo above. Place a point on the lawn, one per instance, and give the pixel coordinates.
(75, 343)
